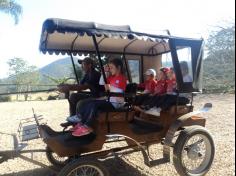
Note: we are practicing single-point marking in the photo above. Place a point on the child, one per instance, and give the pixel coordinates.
(170, 97)
(171, 82)
(159, 103)
(116, 83)
(150, 83)
(160, 89)
(148, 86)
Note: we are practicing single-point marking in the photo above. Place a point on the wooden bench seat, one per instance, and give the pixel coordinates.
(116, 116)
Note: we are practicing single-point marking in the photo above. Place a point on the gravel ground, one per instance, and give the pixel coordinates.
(220, 122)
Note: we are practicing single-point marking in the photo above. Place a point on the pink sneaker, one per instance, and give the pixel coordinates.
(82, 131)
(78, 125)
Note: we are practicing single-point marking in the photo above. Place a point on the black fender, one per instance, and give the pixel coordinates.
(185, 120)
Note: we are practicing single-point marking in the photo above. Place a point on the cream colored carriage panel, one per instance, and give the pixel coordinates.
(153, 62)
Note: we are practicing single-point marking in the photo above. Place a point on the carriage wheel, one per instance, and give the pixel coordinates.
(54, 159)
(194, 151)
(84, 167)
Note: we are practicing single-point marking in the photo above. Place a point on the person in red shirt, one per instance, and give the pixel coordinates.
(115, 83)
(160, 89)
(165, 101)
(150, 82)
(161, 85)
(148, 86)
(171, 82)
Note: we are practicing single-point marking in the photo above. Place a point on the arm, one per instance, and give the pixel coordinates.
(66, 87)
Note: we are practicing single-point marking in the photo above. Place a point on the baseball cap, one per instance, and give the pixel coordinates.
(150, 72)
(165, 69)
(86, 60)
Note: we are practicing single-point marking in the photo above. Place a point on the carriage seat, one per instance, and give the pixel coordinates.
(125, 112)
(180, 109)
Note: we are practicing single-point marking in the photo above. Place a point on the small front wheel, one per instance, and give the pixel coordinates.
(54, 159)
(194, 151)
(84, 167)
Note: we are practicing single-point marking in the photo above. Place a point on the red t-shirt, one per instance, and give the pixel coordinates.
(160, 87)
(149, 86)
(117, 84)
(119, 81)
(171, 86)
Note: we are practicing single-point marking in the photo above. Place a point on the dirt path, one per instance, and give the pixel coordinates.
(220, 122)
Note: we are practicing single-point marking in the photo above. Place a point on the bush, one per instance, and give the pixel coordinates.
(5, 98)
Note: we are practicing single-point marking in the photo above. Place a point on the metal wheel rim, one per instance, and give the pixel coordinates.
(203, 161)
(86, 170)
(58, 159)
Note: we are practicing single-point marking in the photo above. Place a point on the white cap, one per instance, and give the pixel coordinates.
(150, 72)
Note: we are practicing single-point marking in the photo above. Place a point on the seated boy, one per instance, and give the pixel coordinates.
(148, 86)
(160, 90)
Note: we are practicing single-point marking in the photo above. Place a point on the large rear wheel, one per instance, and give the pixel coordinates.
(194, 151)
(84, 167)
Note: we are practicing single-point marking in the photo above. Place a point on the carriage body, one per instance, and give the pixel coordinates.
(139, 51)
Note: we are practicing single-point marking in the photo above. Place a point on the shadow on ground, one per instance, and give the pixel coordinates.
(116, 167)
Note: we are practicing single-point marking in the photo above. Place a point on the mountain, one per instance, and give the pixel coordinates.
(59, 68)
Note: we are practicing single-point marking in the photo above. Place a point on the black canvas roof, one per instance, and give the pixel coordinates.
(67, 36)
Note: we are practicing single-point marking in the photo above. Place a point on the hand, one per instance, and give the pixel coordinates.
(107, 87)
(106, 68)
(63, 88)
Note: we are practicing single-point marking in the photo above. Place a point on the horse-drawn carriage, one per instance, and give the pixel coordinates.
(179, 128)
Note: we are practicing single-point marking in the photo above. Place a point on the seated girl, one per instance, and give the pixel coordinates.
(115, 83)
(170, 98)
(160, 89)
(167, 100)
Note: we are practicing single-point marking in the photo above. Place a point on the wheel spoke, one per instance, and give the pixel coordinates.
(194, 153)
(86, 171)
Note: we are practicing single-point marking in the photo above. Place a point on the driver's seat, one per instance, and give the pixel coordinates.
(124, 113)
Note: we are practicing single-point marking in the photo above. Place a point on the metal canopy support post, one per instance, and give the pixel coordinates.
(73, 63)
(126, 65)
(141, 67)
(99, 58)
(72, 59)
(127, 68)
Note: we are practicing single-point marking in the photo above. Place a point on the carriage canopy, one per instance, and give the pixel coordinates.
(61, 36)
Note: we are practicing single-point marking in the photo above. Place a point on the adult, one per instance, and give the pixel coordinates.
(116, 82)
(89, 81)
(185, 71)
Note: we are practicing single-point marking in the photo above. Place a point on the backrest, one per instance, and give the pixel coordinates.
(131, 88)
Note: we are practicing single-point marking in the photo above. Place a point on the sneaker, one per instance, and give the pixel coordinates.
(82, 131)
(154, 111)
(73, 119)
(78, 125)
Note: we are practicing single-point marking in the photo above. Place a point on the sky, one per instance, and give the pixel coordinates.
(184, 18)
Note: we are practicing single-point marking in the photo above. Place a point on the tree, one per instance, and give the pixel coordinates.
(22, 75)
(219, 65)
(12, 8)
